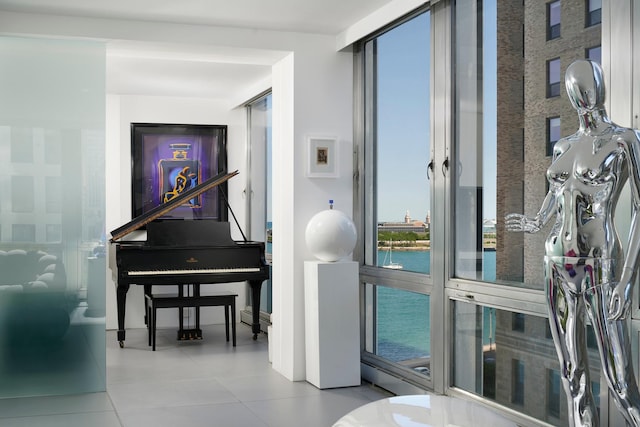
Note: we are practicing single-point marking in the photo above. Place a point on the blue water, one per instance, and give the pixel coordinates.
(403, 323)
(420, 261)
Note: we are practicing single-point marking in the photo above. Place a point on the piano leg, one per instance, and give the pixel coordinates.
(181, 310)
(121, 297)
(256, 286)
(147, 291)
(196, 293)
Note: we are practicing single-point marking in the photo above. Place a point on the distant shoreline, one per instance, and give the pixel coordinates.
(423, 247)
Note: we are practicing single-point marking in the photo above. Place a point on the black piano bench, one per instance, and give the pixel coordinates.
(226, 299)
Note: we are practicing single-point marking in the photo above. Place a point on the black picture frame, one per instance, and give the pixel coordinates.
(167, 159)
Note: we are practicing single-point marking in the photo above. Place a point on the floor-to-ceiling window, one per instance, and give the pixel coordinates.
(508, 93)
(397, 197)
(467, 132)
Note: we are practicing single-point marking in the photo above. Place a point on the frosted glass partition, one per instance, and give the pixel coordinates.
(52, 259)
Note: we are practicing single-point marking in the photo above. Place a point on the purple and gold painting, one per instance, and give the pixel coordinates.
(171, 159)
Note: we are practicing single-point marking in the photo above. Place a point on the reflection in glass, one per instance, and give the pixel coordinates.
(22, 194)
(510, 358)
(553, 391)
(52, 259)
(21, 144)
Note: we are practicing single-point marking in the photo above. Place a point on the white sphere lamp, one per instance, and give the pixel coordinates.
(331, 235)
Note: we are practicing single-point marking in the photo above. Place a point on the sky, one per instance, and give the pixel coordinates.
(403, 120)
(404, 63)
(403, 60)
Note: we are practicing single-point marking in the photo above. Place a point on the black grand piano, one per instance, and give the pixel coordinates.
(180, 252)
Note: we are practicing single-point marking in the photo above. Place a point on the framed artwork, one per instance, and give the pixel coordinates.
(322, 157)
(168, 159)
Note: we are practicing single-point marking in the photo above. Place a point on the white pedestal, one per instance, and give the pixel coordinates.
(332, 324)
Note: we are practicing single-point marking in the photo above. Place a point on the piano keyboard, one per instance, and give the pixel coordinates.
(195, 271)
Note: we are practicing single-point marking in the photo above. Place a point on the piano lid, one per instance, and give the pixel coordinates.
(164, 208)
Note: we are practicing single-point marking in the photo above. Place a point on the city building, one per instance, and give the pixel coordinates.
(408, 225)
(540, 41)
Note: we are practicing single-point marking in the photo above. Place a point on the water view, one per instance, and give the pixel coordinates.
(403, 322)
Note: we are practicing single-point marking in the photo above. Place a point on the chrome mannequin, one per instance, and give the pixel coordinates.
(586, 270)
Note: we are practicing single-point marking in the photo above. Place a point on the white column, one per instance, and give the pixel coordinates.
(332, 328)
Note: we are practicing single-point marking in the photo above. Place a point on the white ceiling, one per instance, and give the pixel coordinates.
(167, 70)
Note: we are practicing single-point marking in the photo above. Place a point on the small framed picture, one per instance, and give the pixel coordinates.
(322, 157)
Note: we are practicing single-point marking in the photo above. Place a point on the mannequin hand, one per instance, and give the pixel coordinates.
(519, 222)
(620, 301)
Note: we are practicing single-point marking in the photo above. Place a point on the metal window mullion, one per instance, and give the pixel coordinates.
(368, 181)
(441, 95)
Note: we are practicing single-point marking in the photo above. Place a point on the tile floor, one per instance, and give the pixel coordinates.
(191, 384)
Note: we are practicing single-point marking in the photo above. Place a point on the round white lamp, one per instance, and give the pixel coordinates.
(331, 235)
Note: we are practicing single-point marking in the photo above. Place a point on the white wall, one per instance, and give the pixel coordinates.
(312, 96)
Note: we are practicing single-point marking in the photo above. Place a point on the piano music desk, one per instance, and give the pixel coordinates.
(226, 299)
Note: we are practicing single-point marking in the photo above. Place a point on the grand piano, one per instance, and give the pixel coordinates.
(184, 252)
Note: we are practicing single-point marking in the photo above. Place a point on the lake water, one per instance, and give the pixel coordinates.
(403, 323)
(420, 261)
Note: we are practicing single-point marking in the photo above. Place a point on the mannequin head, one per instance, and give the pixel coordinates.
(585, 86)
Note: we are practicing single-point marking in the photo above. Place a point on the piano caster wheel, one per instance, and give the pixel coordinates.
(255, 337)
(121, 344)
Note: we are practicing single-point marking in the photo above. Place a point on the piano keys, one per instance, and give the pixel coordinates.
(196, 271)
(181, 252)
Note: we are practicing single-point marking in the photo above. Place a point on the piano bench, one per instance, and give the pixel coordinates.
(226, 299)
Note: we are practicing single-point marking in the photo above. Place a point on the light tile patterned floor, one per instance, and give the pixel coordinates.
(191, 384)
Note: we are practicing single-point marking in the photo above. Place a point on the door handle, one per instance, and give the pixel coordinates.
(445, 165)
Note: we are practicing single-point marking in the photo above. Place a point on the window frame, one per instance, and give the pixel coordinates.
(554, 31)
(554, 391)
(366, 221)
(518, 322)
(553, 87)
(517, 386)
(588, 53)
(550, 141)
(592, 16)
